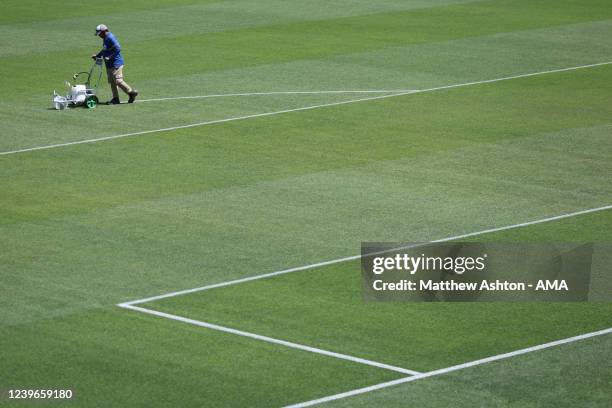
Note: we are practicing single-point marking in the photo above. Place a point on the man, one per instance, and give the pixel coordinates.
(111, 52)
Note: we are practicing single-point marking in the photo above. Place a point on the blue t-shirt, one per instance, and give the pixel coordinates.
(111, 50)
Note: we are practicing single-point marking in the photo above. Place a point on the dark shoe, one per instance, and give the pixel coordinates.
(133, 96)
(114, 101)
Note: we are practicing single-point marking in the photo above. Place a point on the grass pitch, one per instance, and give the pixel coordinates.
(88, 226)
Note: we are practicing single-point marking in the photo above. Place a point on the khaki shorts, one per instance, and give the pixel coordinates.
(114, 74)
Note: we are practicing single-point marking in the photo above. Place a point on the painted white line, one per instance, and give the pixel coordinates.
(305, 108)
(192, 125)
(354, 257)
(448, 369)
(270, 339)
(228, 95)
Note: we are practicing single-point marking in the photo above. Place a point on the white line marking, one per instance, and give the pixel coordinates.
(448, 369)
(354, 257)
(414, 375)
(192, 125)
(174, 98)
(270, 339)
(305, 108)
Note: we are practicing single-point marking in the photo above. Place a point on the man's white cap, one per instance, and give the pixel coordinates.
(100, 28)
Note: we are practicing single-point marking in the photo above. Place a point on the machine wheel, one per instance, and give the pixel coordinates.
(91, 101)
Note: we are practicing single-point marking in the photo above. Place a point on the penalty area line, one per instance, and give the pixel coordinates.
(413, 375)
(269, 339)
(355, 257)
(305, 108)
(447, 370)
